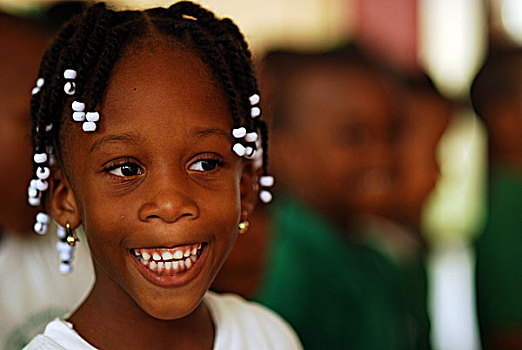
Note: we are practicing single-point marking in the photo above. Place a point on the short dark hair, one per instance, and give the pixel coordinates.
(499, 79)
(283, 66)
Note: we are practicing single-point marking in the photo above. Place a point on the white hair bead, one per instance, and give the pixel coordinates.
(32, 192)
(254, 99)
(35, 90)
(266, 181)
(78, 106)
(251, 137)
(60, 231)
(239, 149)
(92, 116)
(239, 132)
(255, 112)
(265, 196)
(65, 268)
(49, 127)
(34, 201)
(66, 255)
(43, 173)
(89, 126)
(42, 217)
(42, 185)
(40, 82)
(40, 228)
(63, 246)
(40, 158)
(33, 183)
(78, 116)
(249, 151)
(69, 74)
(69, 88)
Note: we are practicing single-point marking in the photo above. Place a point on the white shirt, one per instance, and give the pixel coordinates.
(239, 325)
(32, 290)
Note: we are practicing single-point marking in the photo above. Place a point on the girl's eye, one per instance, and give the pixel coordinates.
(127, 169)
(205, 165)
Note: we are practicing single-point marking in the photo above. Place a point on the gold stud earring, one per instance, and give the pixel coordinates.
(244, 224)
(70, 238)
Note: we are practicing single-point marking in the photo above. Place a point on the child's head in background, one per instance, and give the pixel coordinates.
(334, 130)
(144, 127)
(496, 95)
(427, 115)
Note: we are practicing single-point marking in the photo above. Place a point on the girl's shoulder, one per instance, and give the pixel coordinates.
(58, 335)
(242, 324)
(239, 324)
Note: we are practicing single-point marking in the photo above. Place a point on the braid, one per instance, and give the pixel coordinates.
(94, 41)
(107, 60)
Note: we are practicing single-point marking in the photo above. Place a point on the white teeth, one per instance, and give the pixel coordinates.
(178, 254)
(169, 260)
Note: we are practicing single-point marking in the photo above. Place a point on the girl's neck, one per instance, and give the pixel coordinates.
(110, 319)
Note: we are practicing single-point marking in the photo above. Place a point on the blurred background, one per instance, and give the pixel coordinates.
(449, 40)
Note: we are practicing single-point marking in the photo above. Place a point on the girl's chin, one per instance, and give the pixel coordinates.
(171, 310)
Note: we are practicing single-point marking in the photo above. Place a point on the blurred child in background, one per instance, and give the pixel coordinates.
(396, 231)
(496, 95)
(334, 138)
(32, 291)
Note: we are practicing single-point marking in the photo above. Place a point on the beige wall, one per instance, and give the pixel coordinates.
(266, 23)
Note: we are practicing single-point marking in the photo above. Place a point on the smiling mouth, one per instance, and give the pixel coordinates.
(169, 261)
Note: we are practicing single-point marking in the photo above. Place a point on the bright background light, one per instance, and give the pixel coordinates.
(453, 38)
(511, 16)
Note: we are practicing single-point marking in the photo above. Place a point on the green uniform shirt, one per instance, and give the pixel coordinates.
(335, 293)
(499, 256)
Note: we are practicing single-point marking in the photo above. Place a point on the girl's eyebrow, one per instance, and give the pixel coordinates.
(131, 137)
(118, 138)
(212, 131)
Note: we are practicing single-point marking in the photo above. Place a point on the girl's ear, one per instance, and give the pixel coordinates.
(248, 187)
(62, 202)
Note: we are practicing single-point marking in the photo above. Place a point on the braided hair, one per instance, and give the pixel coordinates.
(91, 43)
(75, 70)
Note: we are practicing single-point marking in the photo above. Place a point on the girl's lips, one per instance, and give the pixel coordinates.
(170, 267)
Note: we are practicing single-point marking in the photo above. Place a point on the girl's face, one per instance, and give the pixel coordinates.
(156, 179)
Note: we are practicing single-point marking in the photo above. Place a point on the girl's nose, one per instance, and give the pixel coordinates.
(169, 206)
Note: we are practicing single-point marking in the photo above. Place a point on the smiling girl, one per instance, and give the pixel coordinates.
(145, 125)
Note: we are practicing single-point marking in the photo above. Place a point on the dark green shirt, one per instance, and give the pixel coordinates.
(335, 293)
(499, 256)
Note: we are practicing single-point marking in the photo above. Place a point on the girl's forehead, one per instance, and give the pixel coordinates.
(168, 91)
(160, 81)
